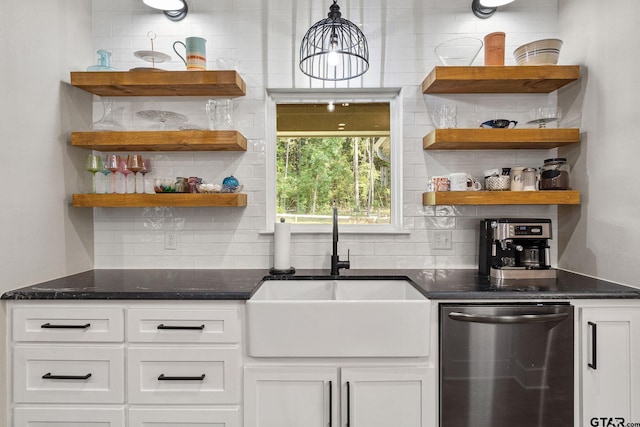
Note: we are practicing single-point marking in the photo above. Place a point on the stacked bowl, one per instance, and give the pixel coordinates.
(539, 52)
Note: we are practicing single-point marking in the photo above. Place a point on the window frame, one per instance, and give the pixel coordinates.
(291, 96)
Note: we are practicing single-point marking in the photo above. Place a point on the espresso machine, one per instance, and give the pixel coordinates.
(515, 248)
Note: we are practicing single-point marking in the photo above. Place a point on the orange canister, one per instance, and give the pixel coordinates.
(494, 48)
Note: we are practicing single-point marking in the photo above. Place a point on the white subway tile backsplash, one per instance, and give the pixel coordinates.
(264, 36)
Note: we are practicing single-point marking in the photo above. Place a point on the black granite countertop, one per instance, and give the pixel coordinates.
(161, 284)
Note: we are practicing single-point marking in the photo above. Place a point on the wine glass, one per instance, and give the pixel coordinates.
(93, 164)
(124, 170)
(146, 168)
(134, 164)
(112, 163)
(105, 171)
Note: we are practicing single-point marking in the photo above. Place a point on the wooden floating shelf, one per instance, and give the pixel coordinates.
(183, 140)
(160, 83)
(499, 79)
(159, 200)
(497, 139)
(556, 197)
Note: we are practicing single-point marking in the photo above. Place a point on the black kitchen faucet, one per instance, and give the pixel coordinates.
(336, 264)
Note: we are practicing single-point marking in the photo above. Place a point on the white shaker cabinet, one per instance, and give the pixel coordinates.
(68, 416)
(124, 363)
(386, 396)
(610, 365)
(320, 396)
(284, 396)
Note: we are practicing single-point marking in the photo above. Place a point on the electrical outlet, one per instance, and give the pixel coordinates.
(441, 239)
(170, 240)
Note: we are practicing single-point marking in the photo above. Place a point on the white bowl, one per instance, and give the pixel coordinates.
(539, 52)
(460, 51)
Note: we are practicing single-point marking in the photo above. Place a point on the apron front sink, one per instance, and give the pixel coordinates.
(338, 318)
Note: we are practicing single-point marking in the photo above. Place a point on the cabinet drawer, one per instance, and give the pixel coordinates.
(193, 375)
(70, 374)
(163, 417)
(68, 416)
(183, 325)
(68, 324)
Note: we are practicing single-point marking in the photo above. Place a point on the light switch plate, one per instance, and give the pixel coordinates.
(441, 239)
(170, 240)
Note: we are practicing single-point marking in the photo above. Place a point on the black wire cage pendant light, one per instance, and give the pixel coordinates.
(334, 48)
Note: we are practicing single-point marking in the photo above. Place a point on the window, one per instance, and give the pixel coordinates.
(336, 147)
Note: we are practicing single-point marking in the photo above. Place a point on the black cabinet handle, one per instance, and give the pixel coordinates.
(48, 376)
(594, 345)
(50, 326)
(330, 402)
(348, 404)
(187, 328)
(163, 377)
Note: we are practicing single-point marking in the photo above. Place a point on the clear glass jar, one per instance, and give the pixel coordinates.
(182, 185)
(554, 174)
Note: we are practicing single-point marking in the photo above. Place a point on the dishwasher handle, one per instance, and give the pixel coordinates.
(508, 319)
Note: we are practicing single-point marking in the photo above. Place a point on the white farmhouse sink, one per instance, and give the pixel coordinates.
(338, 318)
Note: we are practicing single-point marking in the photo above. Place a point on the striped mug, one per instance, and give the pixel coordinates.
(196, 53)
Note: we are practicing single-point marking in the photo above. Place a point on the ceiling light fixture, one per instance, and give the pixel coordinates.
(334, 48)
(486, 8)
(331, 107)
(175, 10)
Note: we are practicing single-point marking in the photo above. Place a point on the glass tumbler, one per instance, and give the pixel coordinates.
(220, 113)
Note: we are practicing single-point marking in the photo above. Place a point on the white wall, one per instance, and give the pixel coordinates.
(600, 238)
(265, 36)
(43, 238)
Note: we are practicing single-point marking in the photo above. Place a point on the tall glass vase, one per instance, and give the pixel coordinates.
(111, 118)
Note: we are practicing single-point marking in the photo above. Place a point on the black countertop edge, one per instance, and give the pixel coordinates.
(241, 284)
(139, 296)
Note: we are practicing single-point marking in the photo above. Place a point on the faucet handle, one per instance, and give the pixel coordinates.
(346, 264)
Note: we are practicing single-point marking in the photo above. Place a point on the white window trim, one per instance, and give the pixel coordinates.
(391, 95)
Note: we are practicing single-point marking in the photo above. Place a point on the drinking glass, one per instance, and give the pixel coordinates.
(112, 163)
(93, 164)
(446, 116)
(134, 164)
(105, 171)
(146, 168)
(124, 170)
(220, 113)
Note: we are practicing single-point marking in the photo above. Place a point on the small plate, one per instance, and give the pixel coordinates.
(152, 56)
(145, 69)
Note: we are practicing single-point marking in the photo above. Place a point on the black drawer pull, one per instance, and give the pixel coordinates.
(186, 328)
(50, 326)
(594, 346)
(162, 377)
(330, 403)
(48, 376)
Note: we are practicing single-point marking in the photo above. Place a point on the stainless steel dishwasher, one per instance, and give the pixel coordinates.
(506, 365)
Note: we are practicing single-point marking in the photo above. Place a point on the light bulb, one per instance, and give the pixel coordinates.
(330, 107)
(333, 58)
